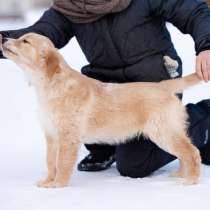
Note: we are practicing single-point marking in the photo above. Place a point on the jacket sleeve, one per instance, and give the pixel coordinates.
(52, 24)
(190, 16)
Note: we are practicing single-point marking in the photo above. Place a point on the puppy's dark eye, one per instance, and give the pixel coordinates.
(26, 41)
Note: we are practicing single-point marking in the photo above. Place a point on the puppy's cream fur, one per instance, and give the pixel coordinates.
(76, 109)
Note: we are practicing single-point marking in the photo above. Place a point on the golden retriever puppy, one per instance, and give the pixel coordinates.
(76, 109)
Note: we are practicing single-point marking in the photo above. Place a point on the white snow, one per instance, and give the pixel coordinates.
(22, 152)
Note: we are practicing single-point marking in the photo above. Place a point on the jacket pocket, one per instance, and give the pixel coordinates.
(150, 69)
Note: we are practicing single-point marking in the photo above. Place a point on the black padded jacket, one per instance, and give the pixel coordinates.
(129, 46)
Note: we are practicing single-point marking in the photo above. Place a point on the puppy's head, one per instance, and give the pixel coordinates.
(35, 53)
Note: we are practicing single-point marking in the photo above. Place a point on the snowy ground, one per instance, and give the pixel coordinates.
(22, 153)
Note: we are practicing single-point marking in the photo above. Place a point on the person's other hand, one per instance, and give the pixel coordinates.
(203, 65)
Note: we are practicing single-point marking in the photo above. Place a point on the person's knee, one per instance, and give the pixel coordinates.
(126, 169)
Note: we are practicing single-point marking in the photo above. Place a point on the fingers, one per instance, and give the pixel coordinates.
(205, 70)
(199, 68)
(1, 38)
(203, 65)
(208, 68)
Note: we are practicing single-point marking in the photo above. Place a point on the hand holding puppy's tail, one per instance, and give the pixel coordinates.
(179, 84)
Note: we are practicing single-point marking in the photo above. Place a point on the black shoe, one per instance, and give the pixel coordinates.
(205, 153)
(96, 162)
(205, 150)
(205, 105)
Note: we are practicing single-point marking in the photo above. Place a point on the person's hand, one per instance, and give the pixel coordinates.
(203, 65)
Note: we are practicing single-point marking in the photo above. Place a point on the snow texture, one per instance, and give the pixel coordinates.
(22, 152)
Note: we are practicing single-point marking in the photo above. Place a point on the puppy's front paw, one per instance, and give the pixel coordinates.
(178, 174)
(191, 181)
(44, 182)
(51, 184)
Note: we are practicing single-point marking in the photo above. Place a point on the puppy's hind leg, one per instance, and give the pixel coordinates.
(180, 146)
(190, 161)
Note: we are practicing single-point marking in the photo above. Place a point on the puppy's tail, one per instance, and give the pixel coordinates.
(179, 84)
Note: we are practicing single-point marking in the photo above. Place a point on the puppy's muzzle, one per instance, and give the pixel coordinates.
(7, 46)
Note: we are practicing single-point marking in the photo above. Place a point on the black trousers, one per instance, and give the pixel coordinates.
(140, 157)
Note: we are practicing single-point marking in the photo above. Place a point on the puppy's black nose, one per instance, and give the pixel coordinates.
(4, 40)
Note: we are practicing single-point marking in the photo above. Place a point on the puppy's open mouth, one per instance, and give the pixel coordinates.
(6, 49)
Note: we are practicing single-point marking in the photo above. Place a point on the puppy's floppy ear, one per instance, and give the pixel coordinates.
(51, 62)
